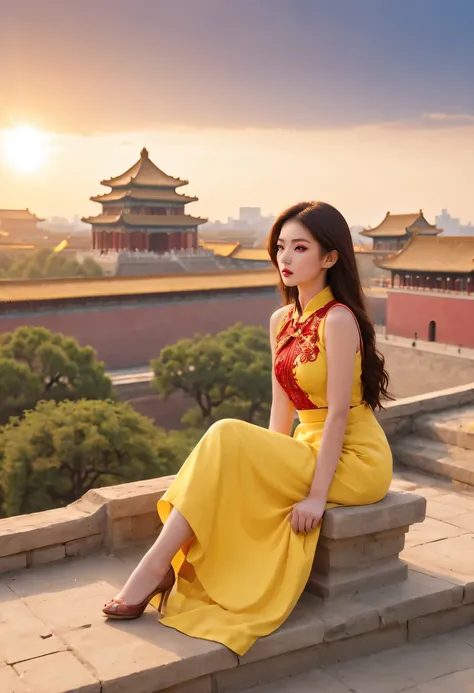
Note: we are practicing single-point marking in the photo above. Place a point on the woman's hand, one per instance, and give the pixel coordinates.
(306, 515)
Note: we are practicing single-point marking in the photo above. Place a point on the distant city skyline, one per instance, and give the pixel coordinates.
(366, 105)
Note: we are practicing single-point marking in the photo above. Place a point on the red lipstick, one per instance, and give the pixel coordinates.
(286, 272)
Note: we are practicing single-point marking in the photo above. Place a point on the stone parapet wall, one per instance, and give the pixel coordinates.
(112, 517)
(399, 416)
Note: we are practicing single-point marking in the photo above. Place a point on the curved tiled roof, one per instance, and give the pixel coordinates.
(144, 194)
(146, 174)
(18, 215)
(58, 289)
(395, 225)
(433, 254)
(147, 220)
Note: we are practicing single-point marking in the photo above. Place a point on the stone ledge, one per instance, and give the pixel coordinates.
(145, 657)
(109, 517)
(397, 509)
(397, 417)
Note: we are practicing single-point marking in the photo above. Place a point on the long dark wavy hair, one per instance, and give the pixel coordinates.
(329, 228)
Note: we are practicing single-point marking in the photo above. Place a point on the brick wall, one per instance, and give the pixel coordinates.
(127, 335)
(412, 311)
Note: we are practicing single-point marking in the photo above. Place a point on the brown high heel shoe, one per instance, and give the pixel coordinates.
(123, 611)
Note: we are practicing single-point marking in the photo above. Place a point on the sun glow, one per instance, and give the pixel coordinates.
(25, 148)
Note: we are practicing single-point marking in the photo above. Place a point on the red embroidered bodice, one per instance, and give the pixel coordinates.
(298, 342)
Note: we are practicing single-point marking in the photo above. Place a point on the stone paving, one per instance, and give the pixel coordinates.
(443, 664)
(53, 638)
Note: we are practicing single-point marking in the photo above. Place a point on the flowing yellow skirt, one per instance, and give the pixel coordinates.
(242, 574)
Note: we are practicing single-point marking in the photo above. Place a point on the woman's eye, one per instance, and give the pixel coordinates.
(302, 247)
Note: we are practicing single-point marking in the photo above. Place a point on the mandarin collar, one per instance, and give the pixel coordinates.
(317, 302)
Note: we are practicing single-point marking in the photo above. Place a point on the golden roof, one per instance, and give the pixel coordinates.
(150, 220)
(145, 174)
(18, 215)
(433, 254)
(57, 289)
(259, 254)
(151, 194)
(396, 225)
(219, 247)
(236, 251)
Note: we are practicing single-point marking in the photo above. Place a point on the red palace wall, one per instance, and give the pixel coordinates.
(412, 311)
(127, 334)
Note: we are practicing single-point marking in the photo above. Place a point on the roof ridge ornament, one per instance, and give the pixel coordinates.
(144, 153)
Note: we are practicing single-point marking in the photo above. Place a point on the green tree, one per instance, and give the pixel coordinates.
(36, 364)
(58, 452)
(228, 374)
(44, 263)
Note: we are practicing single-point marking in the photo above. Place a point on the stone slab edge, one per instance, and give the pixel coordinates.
(89, 516)
(397, 509)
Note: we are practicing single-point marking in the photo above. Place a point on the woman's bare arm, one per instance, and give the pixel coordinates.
(283, 410)
(342, 343)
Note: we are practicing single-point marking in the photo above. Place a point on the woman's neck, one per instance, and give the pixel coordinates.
(306, 293)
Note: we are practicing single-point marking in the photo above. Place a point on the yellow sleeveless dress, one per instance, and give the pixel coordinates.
(242, 574)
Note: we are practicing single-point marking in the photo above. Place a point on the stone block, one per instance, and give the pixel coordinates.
(302, 629)
(451, 558)
(57, 673)
(418, 595)
(468, 595)
(136, 498)
(200, 685)
(440, 622)
(429, 531)
(362, 645)
(435, 458)
(48, 528)
(252, 674)
(16, 648)
(15, 562)
(397, 509)
(313, 681)
(85, 545)
(459, 681)
(145, 657)
(337, 554)
(351, 581)
(345, 617)
(47, 554)
(454, 427)
(136, 528)
(10, 681)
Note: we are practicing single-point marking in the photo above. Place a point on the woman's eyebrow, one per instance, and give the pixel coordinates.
(294, 240)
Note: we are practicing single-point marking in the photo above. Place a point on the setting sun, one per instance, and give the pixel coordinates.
(25, 148)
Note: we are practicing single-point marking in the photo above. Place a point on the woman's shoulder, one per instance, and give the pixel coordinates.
(341, 323)
(278, 317)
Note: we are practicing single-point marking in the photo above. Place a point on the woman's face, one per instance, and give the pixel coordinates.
(300, 257)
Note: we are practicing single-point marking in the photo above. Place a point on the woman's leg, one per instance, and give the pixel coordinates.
(156, 562)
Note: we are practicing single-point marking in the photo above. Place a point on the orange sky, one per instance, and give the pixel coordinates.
(366, 104)
(364, 171)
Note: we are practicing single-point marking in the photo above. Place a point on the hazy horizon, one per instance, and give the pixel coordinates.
(365, 105)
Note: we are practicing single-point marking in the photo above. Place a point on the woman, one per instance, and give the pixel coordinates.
(241, 519)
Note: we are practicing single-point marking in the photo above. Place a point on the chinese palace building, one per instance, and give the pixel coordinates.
(19, 226)
(432, 292)
(143, 212)
(394, 232)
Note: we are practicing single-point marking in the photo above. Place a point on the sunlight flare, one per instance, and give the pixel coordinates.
(25, 148)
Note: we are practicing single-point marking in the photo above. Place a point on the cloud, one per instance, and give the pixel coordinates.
(97, 67)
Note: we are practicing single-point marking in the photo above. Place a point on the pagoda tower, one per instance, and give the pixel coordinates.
(144, 212)
(395, 230)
